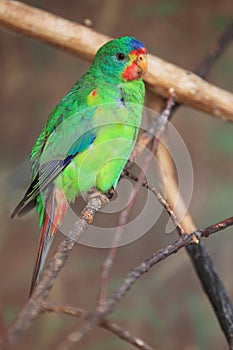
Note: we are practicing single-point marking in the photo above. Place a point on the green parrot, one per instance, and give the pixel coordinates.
(87, 138)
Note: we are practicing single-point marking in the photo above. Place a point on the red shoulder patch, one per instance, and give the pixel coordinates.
(94, 92)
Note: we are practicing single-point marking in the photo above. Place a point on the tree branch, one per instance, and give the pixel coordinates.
(215, 52)
(160, 255)
(160, 198)
(214, 288)
(33, 307)
(77, 39)
(136, 273)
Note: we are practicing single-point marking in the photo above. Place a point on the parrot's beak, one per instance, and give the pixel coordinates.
(141, 62)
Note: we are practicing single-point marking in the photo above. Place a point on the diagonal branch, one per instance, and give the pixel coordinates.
(215, 52)
(160, 255)
(160, 198)
(33, 307)
(77, 39)
(136, 273)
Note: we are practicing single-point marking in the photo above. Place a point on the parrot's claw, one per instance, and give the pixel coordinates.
(94, 193)
(110, 193)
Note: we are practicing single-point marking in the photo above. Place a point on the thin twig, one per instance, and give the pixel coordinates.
(125, 335)
(215, 52)
(160, 198)
(160, 255)
(33, 307)
(137, 272)
(108, 325)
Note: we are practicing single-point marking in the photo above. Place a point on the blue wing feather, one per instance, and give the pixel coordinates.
(48, 172)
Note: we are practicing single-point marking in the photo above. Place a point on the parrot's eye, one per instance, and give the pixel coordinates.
(120, 56)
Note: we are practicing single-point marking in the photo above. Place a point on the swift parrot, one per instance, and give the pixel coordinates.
(87, 139)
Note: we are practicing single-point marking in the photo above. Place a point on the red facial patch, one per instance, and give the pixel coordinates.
(131, 72)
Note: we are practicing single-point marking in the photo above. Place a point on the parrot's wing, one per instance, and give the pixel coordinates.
(41, 181)
(67, 109)
(71, 137)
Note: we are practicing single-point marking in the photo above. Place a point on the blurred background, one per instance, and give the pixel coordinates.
(167, 307)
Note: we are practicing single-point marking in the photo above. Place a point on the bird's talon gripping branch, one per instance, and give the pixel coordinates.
(110, 193)
(97, 195)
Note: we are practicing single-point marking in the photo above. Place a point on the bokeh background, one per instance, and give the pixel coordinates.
(167, 306)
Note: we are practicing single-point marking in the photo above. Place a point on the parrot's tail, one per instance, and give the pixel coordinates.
(55, 209)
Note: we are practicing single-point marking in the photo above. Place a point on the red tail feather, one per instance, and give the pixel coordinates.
(54, 212)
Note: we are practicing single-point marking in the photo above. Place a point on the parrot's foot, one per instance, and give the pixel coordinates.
(93, 193)
(110, 193)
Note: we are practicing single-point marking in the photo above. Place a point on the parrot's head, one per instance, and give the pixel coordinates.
(121, 59)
